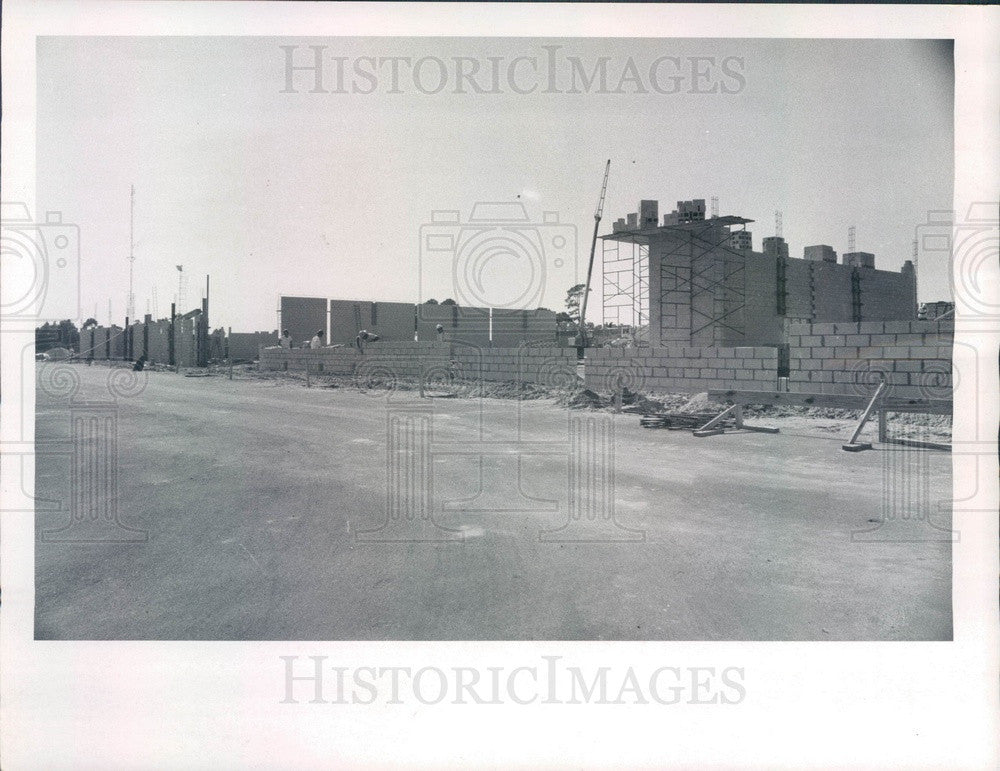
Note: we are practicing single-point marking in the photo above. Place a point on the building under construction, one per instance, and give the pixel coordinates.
(696, 280)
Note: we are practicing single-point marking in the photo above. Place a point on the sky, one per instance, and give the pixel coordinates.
(273, 184)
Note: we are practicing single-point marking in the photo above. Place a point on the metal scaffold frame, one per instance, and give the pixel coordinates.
(722, 285)
(625, 299)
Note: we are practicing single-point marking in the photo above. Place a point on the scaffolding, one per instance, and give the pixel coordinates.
(716, 282)
(626, 282)
(701, 281)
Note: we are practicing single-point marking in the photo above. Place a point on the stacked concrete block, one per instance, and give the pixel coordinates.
(682, 369)
(887, 295)
(381, 360)
(406, 358)
(913, 357)
(543, 365)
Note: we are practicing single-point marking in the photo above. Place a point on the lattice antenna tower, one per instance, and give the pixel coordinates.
(777, 223)
(156, 310)
(130, 312)
(181, 289)
(715, 206)
(850, 238)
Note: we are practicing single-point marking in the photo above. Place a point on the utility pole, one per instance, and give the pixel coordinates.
(593, 247)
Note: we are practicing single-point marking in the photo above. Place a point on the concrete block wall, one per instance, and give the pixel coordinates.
(185, 343)
(100, 343)
(390, 321)
(682, 369)
(243, 346)
(513, 328)
(159, 341)
(384, 359)
(302, 316)
(471, 325)
(544, 365)
(851, 357)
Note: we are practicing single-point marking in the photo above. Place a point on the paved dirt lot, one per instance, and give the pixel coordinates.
(252, 495)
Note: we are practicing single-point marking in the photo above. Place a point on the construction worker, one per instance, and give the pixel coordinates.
(440, 332)
(364, 336)
(286, 340)
(317, 341)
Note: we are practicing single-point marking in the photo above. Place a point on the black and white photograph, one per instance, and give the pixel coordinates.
(378, 353)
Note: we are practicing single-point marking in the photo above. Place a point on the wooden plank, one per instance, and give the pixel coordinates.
(732, 409)
(836, 401)
(866, 414)
(922, 444)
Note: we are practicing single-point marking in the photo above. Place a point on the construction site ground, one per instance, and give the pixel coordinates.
(263, 504)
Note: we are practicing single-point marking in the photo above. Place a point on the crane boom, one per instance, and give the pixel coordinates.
(593, 247)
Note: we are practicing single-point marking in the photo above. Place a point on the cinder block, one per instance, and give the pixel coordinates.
(897, 352)
(858, 340)
(892, 327)
(871, 327)
(832, 341)
(845, 352)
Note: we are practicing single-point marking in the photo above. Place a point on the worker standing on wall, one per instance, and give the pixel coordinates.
(440, 332)
(317, 341)
(286, 340)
